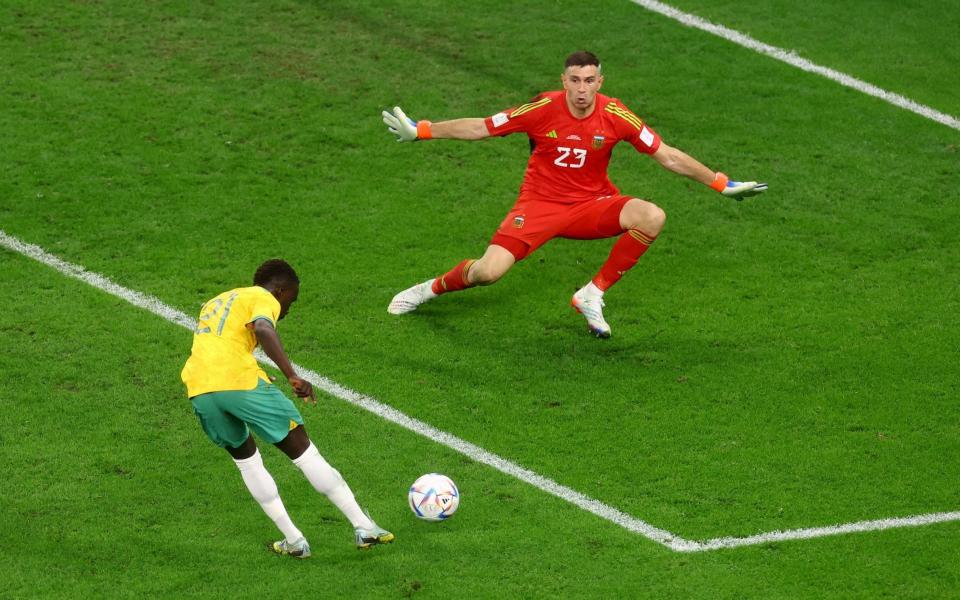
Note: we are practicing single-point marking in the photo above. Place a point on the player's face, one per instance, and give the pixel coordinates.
(581, 85)
(286, 297)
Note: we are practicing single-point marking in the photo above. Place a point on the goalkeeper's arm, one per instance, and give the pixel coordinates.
(682, 163)
(408, 130)
(460, 129)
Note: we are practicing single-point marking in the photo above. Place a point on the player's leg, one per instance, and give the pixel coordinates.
(324, 478)
(274, 418)
(520, 232)
(487, 269)
(639, 222)
(328, 481)
(232, 434)
(264, 490)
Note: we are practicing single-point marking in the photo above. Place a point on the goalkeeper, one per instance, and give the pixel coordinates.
(565, 191)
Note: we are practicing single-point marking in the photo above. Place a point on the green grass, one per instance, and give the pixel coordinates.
(779, 363)
(907, 49)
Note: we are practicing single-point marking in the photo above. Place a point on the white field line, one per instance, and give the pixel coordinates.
(815, 532)
(793, 59)
(604, 511)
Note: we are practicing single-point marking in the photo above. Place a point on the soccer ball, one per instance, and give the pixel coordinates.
(434, 497)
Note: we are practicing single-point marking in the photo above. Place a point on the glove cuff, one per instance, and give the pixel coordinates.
(423, 130)
(720, 182)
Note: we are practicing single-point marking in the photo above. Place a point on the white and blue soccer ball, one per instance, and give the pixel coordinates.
(434, 497)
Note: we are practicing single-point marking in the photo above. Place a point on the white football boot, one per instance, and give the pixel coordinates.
(297, 549)
(590, 305)
(367, 538)
(409, 299)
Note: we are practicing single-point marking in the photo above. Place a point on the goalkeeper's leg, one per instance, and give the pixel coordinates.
(641, 223)
(487, 269)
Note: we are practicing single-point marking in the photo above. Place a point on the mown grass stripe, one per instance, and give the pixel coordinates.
(598, 508)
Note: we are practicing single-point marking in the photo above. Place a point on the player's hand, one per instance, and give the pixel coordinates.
(303, 389)
(743, 189)
(400, 125)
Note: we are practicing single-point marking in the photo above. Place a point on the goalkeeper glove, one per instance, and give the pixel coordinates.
(737, 189)
(405, 128)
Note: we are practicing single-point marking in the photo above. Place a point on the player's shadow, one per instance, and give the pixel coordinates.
(520, 325)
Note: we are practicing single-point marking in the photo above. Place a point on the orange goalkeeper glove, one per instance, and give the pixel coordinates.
(405, 128)
(737, 189)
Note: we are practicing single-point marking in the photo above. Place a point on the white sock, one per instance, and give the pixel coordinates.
(328, 481)
(592, 291)
(264, 490)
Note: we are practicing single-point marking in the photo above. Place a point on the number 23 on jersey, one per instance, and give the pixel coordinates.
(572, 158)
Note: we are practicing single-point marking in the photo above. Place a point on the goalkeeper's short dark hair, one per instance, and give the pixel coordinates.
(277, 270)
(581, 59)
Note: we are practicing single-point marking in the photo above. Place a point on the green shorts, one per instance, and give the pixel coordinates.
(225, 416)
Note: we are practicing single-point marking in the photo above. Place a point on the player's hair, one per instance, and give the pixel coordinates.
(582, 59)
(277, 270)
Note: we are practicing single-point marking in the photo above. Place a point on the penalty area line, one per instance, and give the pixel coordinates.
(472, 451)
(791, 58)
(817, 532)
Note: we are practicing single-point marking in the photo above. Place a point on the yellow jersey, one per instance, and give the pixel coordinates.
(223, 342)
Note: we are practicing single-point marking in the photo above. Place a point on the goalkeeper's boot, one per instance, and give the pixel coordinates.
(367, 538)
(591, 307)
(297, 549)
(409, 299)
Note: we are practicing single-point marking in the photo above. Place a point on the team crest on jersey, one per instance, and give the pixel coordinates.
(598, 141)
(518, 222)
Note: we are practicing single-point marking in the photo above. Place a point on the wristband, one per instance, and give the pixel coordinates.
(720, 182)
(423, 130)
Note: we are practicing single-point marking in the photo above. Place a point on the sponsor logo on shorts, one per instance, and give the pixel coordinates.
(598, 141)
(518, 222)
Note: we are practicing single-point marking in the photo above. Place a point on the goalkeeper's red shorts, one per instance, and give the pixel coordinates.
(532, 223)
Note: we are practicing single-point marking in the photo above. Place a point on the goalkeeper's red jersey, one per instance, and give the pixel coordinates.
(570, 155)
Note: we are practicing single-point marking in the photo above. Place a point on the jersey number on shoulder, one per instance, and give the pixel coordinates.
(210, 311)
(565, 160)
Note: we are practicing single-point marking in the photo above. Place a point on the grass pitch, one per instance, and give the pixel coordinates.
(779, 363)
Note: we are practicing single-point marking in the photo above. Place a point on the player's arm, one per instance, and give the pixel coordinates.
(408, 130)
(269, 340)
(460, 129)
(681, 163)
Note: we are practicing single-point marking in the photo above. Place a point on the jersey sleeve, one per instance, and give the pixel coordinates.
(263, 306)
(633, 130)
(516, 119)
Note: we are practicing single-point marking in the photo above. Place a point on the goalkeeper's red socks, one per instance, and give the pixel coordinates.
(453, 280)
(625, 253)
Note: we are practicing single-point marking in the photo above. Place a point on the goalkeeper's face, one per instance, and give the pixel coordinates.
(581, 85)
